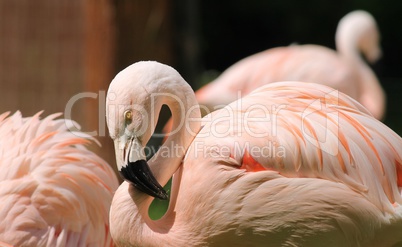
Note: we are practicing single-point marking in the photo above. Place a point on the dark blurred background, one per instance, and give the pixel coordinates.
(50, 51)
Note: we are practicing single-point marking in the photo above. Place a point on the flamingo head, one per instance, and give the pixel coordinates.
(127, 113)
(358, 31)
(370, 43)
(365, 29)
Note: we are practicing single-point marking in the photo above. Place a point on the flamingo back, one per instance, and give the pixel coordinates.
(312, 131)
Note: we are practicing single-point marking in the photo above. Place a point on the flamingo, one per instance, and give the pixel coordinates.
(344, 70)
(290, 164)
(53, 190)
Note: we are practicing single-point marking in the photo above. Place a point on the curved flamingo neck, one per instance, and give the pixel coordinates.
(357, 33)
(353, 34)
(186, 117)
(180, 99)
(130, 222)
(146, 87)
(347, 41)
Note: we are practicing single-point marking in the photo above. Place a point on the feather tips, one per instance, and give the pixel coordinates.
(57, 181)
(325, 134)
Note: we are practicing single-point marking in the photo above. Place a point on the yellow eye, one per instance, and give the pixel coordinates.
(128, 116)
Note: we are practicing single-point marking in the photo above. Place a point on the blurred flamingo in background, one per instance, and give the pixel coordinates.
(344, 70)
(53, 190)
(290, 164)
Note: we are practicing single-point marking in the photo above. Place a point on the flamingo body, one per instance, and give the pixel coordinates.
(290, 164)
(343, 70)
(53, 190)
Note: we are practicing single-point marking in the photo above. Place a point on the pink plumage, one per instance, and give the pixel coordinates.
(290, 164)
(53, 190)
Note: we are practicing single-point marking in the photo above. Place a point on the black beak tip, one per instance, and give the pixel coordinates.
(163, 195)
(139, 174)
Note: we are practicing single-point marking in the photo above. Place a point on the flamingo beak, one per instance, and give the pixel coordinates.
(133, 167)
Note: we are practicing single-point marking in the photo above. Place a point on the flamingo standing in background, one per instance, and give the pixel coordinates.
(53, 190)
(344, 70)
(291, 164)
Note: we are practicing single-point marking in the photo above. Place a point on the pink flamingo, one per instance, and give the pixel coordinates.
(53, 190)
(344, 70)
(290, 164)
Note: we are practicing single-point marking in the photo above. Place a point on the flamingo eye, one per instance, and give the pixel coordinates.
(128, 116)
